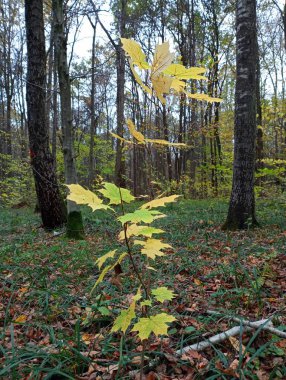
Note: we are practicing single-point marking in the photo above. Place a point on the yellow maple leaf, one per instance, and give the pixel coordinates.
(134, 229)
(133, 49)
(103, 258)
(137, 135)
(139, 80)
(178, 85)
(181, 72)
(165, 142)
(160, 202)
(162, 59)
(161, 85)
(152, 247)
(120, 138)
(106, 270)
(205, 97)
(82, 196)
(123, 321)
(163, 294)
(156, 324)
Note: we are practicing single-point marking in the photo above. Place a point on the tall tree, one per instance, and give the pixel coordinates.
(241, 211)
(49, 199)
(120, 95)
(121, 20)
(93, 119)
(74, 222)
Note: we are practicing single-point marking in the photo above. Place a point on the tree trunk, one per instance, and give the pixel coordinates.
(120, 62)
(49, 199)
(241, 213)
(74, 222)
(91, 174)
(55, 114)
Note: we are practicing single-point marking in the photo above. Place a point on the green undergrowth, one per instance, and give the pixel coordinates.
(51, 328)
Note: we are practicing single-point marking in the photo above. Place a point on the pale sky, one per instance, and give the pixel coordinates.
(83, 43)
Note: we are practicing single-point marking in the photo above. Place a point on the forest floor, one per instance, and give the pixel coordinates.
(51, 328)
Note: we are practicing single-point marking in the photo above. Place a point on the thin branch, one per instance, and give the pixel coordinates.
(108, 35)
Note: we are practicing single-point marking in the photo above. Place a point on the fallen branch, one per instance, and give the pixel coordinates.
(268, 324)
(262, 324)
(214, 339)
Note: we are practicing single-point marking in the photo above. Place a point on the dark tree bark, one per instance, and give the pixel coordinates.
(49, 199)
(241, 211)
(74, 222)
(259, 142)
(120, 97)
(93, 119)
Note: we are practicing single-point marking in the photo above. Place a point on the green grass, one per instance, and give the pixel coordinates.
(47, 279)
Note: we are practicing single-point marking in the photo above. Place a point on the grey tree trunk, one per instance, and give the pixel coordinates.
(241, 213)
(74, 222)
(50, 203)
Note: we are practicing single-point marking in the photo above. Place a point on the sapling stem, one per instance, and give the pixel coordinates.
(125, 226)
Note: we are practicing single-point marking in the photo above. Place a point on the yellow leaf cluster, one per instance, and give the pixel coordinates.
(164, 75)
(160, 202)
(135, 52)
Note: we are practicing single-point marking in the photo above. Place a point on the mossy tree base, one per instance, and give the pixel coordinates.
(75, 226)
(239, 222)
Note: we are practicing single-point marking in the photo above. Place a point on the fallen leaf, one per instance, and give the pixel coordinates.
(21, 319)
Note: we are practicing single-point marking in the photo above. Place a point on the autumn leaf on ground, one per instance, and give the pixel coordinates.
(114, 194)
(21, 319)
(82, 196)
(160, 202)
(156, 324)
(145, 216)
(152, 247)
(163, 294)
(236, 345)
(87, 338)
